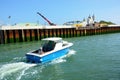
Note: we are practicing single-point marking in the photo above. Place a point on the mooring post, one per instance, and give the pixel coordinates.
(30, 31)
(48, 32)
(67, 33)
(52, 33)
(40, 34)
(8, 37)
(85, 32)
(63, 33)
(56, 30)
(14, 37)
(25, 35)
(36, 34)
(2, 37)
(76, 32)
(20, 36)
(60, 32)
(72, 32)
(44, 33)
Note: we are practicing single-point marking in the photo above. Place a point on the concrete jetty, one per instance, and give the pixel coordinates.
(13, 34)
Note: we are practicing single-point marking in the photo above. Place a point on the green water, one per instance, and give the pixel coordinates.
(90, 58)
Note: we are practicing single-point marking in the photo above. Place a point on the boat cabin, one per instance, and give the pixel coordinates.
(51, 44)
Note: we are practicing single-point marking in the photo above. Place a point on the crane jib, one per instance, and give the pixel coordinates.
(50, 23)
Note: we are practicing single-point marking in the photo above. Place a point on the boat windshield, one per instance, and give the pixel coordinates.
(48, 46)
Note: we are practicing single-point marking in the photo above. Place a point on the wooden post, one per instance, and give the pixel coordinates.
(44, 33)
(95, 31)
(80, 32)
(83, 32)
(63, 33)
(14, 37)
(36, 34)
(72, 32)
(67, 33)
(48, 32)
(20, 36)
(52, 33)
(76, 32)
(56, 30)
(25, 35)
(2, 37)
(40, 34)
(8, 37)
(59, 33)
(30, 31)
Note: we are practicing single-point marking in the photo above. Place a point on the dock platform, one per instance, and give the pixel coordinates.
(13, 34)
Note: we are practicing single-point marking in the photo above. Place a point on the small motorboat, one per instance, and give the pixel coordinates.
(52, 48)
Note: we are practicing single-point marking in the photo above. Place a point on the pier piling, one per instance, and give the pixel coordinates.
(13, 35)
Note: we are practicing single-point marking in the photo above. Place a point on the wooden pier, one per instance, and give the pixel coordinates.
(14, 34)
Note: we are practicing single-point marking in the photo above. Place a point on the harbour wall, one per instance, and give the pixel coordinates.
(14, 34)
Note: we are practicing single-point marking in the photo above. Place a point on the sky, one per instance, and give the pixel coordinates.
(58, 11)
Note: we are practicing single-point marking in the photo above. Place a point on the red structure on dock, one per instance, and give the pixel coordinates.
(49, 22)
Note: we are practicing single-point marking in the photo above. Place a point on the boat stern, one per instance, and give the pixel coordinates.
(33, 58)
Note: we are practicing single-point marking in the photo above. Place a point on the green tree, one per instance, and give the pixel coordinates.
(106, 22)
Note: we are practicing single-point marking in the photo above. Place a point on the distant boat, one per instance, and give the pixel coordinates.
(52, 48)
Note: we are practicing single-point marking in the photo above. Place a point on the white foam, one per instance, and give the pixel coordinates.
(7, 69)
(59, 60)
(21, 74)
(14, 67)
(18, 58)
(71, 52)
(62, 59)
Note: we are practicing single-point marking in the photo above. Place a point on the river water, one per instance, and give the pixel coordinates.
(90, 58)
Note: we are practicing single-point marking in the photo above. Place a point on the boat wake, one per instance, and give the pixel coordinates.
(71, 52)
(17, 70)
(10, 68)
(62, 59)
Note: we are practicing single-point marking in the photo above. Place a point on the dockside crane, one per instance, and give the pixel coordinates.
(50, 23)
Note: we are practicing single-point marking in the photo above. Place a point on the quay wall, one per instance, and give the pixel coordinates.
(14, 34)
